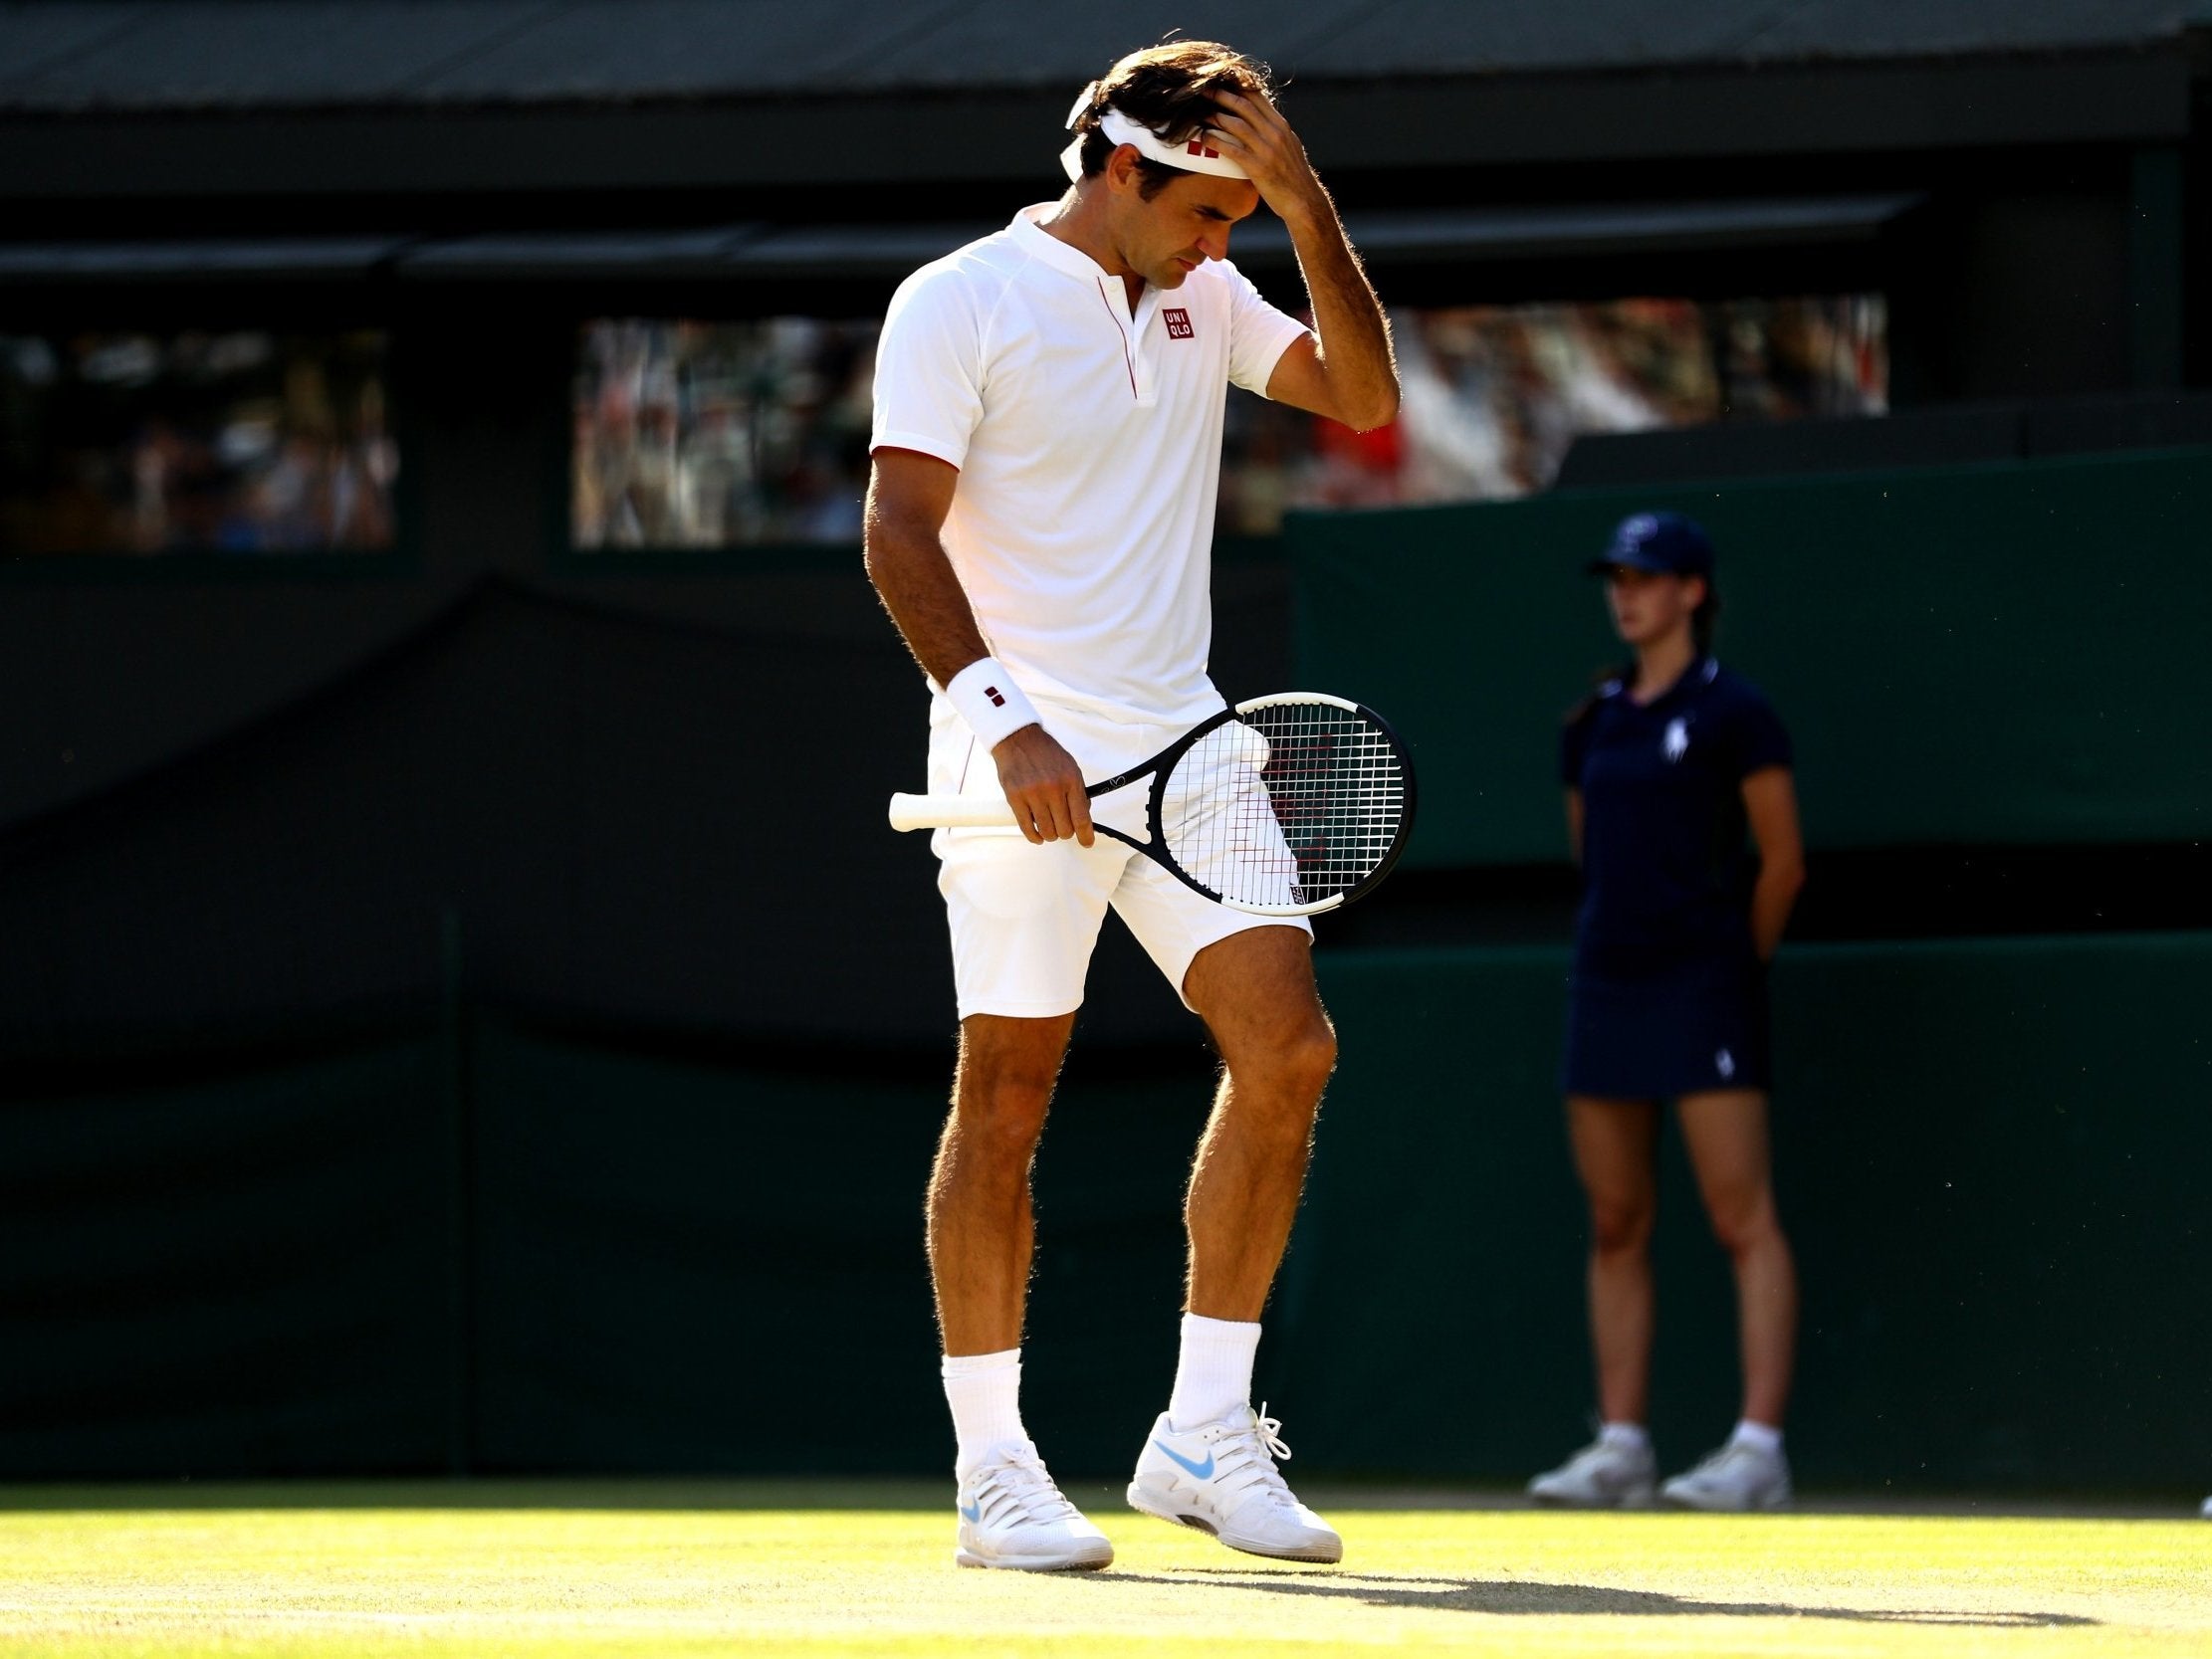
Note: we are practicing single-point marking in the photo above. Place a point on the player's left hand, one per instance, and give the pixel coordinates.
(1253, 132)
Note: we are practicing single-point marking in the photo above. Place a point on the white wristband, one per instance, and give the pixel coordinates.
(989, 701)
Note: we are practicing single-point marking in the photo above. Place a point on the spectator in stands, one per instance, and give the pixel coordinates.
(1666, 766)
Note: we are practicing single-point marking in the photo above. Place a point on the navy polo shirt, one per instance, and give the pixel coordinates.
(1667, 863)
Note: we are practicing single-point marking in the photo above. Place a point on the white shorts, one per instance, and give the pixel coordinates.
(1025, 918)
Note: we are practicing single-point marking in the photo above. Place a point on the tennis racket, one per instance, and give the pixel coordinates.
(1286, 805)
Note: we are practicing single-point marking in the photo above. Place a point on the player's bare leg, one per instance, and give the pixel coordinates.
(980, 1230)
(1615, 1145)
(981, 1226)
(1726, 1133)
(1209, 1461)
(1256, 994)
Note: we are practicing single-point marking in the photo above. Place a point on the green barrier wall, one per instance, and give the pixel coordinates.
(2002, 653)
(694, 1265)
(499, 1248)
(1991, 1158)
(257, 1270)
(496, 1248)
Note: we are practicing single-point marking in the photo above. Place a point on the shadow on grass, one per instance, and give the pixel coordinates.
(1488, 1596)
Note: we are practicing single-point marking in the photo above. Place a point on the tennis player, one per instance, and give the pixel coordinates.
(1666, 768)
(1046, 452)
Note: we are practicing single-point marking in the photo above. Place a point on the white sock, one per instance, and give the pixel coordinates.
(1632, 1437)
(1762, 1437)
(985, 1392)
(1214, 1376)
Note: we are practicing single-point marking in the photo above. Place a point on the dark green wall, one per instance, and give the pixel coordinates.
(509, 1248)
(1990, 1157)
(2005, 653)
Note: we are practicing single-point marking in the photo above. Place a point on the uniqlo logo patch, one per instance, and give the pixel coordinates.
(998, 697)
(1179, 322)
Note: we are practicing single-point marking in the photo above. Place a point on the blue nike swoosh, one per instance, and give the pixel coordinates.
(966, 1513)
(1204, 1471)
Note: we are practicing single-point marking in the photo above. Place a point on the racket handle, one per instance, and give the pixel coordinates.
(913, 812)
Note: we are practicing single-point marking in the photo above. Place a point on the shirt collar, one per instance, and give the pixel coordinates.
(1692, 680)
(1041, 244)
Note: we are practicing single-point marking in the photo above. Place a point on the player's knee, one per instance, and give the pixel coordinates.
(1002, 1109)
(1294, 1064)
(1308, 1057)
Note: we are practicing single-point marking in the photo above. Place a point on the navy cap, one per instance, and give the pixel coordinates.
(1664, 542)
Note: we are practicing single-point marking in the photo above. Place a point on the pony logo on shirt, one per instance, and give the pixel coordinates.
(1676, 744)
(1177, 320)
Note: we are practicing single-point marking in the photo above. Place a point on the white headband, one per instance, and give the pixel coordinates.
(1193, 156)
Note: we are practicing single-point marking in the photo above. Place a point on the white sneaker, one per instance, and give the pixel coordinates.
(1220, 1478)
(2206, 1512)
(1601, 1476)
(1737, 1477)
(1012, 1515)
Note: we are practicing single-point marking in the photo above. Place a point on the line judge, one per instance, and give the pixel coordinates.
(1047, 453)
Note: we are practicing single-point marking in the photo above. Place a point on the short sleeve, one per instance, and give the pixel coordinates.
(1758, 740)
(1258, 334)
(929, 367)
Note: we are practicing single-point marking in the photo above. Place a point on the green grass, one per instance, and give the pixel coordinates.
(682, 1568)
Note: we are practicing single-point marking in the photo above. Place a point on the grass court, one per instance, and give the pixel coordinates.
(543, 1569)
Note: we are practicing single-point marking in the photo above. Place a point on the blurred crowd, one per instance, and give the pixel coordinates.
(711, 435)
(1496, 395)
(243, 442)
(737, 434)
(705, 435)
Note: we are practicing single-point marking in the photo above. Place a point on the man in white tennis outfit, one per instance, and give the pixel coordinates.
(1046, 452)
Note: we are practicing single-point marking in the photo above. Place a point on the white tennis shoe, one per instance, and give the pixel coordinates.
(1602, 1476)
(1220, 1478)
(1736, 1478)
(1012, 1515)
(2206, 1512)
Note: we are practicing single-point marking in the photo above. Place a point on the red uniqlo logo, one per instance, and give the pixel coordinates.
(997, 700)
(1199, 146)
(1177, 320)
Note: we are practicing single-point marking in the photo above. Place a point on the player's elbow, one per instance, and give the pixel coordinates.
(1379, 410)
(884, 546)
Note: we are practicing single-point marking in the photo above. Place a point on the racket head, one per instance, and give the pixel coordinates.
(1285, 805)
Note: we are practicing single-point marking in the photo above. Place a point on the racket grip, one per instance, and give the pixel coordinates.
(913, 812)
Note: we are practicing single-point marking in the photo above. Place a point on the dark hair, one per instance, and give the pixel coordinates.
(1704, 621)
(1169, 88)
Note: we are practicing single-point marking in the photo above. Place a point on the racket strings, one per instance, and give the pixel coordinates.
(1291, 805)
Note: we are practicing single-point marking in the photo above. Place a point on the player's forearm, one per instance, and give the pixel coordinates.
(918, 586)
(1348, 319)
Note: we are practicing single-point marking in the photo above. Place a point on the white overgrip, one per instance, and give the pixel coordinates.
(913, 812)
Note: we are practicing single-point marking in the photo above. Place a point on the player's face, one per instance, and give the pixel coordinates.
(1168, 237)
(1648, 605)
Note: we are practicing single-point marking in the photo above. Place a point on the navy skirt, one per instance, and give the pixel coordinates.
(1681, 1029)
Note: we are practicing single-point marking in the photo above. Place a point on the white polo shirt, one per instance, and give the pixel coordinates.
(1089, 449)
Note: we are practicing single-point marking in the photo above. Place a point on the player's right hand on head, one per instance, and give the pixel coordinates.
(1045, 787)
